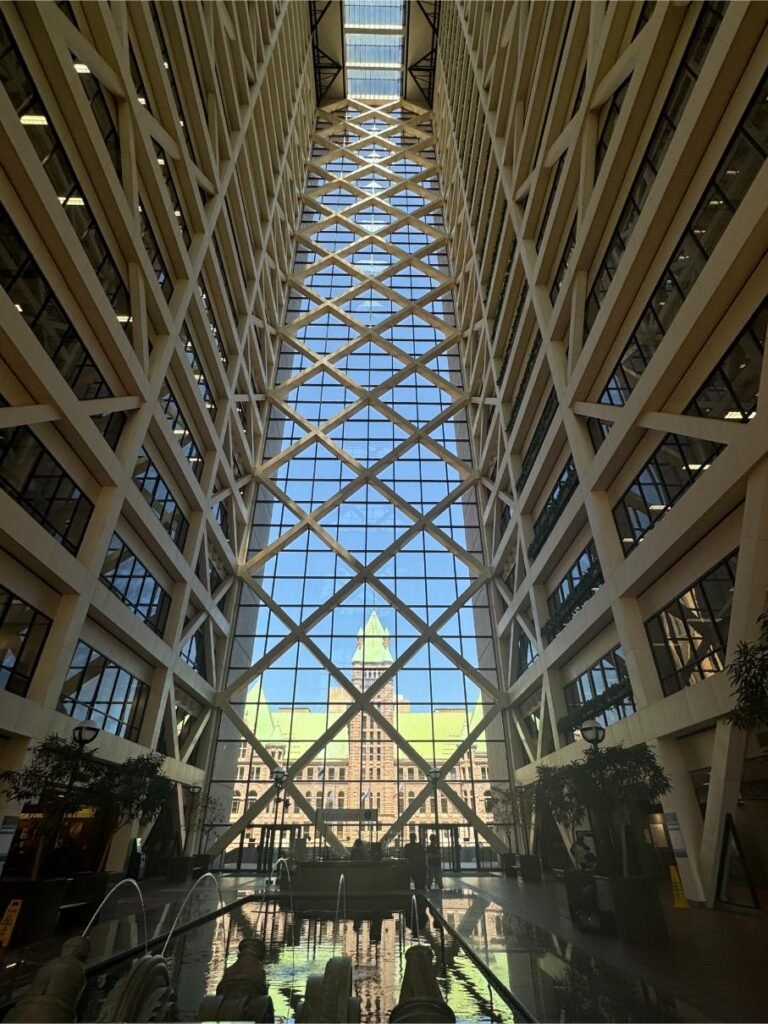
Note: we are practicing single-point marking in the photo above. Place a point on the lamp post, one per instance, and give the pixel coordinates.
(279, 777)
(193, 811)
(82, 734)
(85, 734)
(434, 775)
(592, 732)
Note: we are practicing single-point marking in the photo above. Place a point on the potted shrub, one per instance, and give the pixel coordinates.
(207, 819)
(607, 785)
(511, 813)
(134, 791)
(59, 777)
(54, 781)
(557, 791)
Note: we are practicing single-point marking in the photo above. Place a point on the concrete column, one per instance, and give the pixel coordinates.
(730, 743)
(723, 794)
(119, 847)
(681, 801)
(749, 599)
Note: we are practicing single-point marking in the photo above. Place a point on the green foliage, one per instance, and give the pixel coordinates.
(606, 784)
(611, 697)
(503, 806)
(558, 789)
(61, 775)
(54, 764)
(512, 810)
(135, 790)
(748, 673)
(209, 814)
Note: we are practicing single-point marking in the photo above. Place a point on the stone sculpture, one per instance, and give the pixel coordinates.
(420, 997)
(242, 992)
(56, 988)
(328, 999)
(143, 995)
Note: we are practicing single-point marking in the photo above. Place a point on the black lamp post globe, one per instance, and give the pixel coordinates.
(592, 732)
(85, 733)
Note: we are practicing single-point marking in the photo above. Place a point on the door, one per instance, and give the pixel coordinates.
(448, 838)
(276, 842)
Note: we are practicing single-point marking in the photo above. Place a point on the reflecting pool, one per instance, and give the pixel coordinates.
(301, 946)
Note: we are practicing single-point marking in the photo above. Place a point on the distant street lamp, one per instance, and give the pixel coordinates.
(192, 827)
(434, 775)
(592, 732)
(279, 777)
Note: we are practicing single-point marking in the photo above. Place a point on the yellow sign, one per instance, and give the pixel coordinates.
(8, 922)
(678, 892)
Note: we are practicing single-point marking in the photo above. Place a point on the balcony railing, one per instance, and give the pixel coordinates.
(530, 363)
(559, 497)
(576, 600)
(545, 421)
(615, 698)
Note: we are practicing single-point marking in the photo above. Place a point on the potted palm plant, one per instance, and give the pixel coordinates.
(607, 786)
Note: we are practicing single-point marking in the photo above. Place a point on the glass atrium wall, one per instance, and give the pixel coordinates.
(363, 662)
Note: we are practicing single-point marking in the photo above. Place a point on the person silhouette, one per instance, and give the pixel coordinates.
(416, 856)
(434, 863)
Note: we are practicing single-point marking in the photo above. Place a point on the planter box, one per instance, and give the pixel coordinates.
(201, 863)
(530, 868)
(179, 870)
(41, 902)
(508, 865)
(577, 899)
(630, 908)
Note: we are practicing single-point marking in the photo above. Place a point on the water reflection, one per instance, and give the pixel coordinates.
(554, 979)
(298, 948)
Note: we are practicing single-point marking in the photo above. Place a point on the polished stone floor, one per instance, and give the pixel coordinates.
(712, 968)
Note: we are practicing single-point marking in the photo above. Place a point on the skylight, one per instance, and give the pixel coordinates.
(374, 37)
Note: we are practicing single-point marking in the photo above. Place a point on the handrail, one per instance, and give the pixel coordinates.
(537, 440)
(573, 603)
(522, 1013)
(558, 498)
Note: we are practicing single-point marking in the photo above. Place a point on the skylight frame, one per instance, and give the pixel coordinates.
(381, 21)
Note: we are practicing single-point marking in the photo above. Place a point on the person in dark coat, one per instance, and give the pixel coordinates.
(416, 855)
(434, 863)
(359, 851)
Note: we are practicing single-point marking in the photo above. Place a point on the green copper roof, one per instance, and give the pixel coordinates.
(372, 644)
(438, 731)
